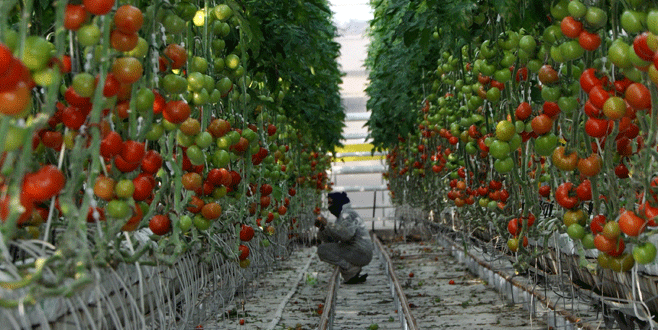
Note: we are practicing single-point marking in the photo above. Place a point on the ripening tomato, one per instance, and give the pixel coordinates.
(563, 161)
(211, 211)
(541, 124)
(15, 102)
(244, 252)
(176, 54)
(638, 96)
(590, 166)
(123, 42)
(127, 70)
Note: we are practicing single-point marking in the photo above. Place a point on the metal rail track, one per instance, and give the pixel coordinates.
(406, 319)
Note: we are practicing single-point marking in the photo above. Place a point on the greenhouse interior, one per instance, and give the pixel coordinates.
(328, 164)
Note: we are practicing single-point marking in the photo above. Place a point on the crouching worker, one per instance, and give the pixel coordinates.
(346, 243)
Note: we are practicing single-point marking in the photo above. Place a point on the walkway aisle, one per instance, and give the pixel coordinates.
(283, 298)
(361, 306)
(442, 293)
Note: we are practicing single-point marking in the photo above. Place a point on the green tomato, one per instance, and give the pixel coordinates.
(571, 50)
(84, 84)
(15, 138)
(568, 104)
(503, 75)
(577, 9)
(198, 64)
(493, 94)
(632, 21)
(144, 100)
(201, 223)
(644, 253)
(196, 155)
(124, 188)
(528, 44)
(89, 35)
(155, 133)
(618, 53)
(173, 24)
(588, 241)
(36, 53)
(515, 142)
(504, 165)
(560, 10)
(551, 94)
(596, 17)
(545, 144)
(652, 21)
(203, 140)
(174, 84)
(499, 149)
(576, 231)
(221, 158)
(117, 209)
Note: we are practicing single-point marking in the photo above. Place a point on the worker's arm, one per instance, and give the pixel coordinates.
(344, 228)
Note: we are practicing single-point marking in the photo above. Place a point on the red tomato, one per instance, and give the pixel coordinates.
(631, 224)
(111, 145)
(244, 252)
(152, 162)
(598, 95)
(98, 7)
(551, 109)
(160, 224)
(588, 80)
(565, 197)
(133, 151)
(44, 183)
(176, 112)
(589, 40)
(584, 190)
(128, 19)
(596, 127)
(523, 111)
(598, 221)
(74, 16)
(246, 233)
(570, 27)
(143, 187)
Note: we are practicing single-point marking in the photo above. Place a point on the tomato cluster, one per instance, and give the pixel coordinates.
(162, 120)
(565, 124)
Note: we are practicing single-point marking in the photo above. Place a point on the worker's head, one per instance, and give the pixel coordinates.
(336, 201)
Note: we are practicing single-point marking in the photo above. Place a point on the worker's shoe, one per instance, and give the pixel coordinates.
(350, 272)
(357, 279)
